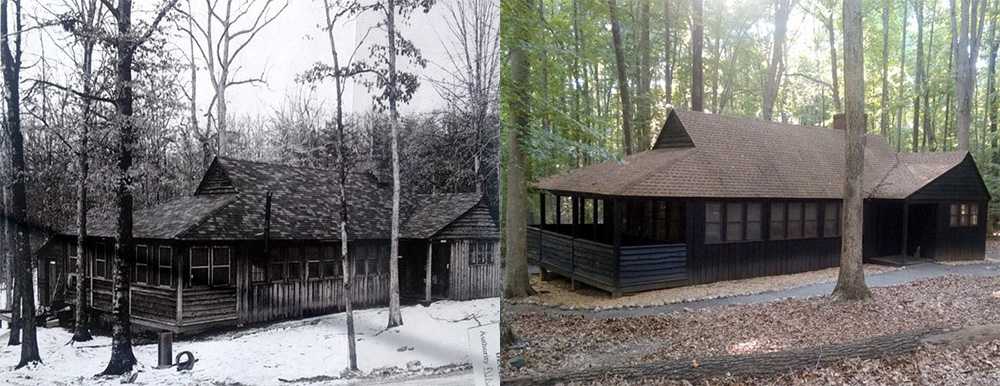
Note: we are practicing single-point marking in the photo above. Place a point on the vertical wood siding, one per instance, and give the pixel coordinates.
(473, 281)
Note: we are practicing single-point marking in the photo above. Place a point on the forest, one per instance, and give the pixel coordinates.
(929, 71)
(113, 106)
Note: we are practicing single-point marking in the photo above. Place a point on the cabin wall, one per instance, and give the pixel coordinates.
(708, 263)
(475, 269)
(960, 243)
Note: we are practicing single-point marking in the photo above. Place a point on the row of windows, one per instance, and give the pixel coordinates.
(591, 210)
(743, 221)
(153, 264)
(324, 262)
(964, 215)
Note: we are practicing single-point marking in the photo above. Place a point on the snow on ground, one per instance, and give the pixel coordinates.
(315, 347)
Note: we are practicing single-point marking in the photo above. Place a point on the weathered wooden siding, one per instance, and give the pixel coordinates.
(583, 260)
(961, 183)
(652, 266)
(473, 281)
(287, 299)
(208, 305)
(154, 304)
(960, 243)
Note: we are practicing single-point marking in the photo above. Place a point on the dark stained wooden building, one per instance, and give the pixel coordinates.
(722, 198)
(209, 260)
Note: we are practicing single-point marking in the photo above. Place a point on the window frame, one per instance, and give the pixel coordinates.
(836, 218)
(100, 256)
(724, 223)
(145, 265)
(169, 267)
(963, 214)
(211, 267)
(719, 222)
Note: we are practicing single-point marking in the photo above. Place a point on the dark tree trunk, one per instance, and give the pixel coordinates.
(782, 8)
(697, 41)
(623, 93)
(928, 113)
(643, 99)
(834, 71)
(884, 104)
(919, 79)
(902, 81)
(851, 280)
(11, 61)
(991, 97)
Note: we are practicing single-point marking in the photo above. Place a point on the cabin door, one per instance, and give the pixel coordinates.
(440, 269)
(920, 230)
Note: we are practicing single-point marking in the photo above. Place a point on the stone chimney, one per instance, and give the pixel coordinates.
(840, 121)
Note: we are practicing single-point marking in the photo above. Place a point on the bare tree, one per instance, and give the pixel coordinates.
(851, 280)
(240, 23)
(668, 48)
(884, 104)
(623, 93)
(775, 68)
(126, 41)
(11, 61)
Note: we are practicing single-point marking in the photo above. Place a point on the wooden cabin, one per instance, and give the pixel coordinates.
(722, 198)
(259, 242)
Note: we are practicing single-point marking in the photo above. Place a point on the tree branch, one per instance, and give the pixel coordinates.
(70, 90)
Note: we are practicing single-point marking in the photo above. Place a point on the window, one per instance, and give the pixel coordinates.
(480, 253)
(713, 222)
(141, 264)
(294, 262)
(210, 266)
(199, 266)
(276, 269)
(794, 226)
(331, 255)
(313, 263)
(811, 223)
(831, 219)
(599, 209)
(220, 266)
(778, 221)
(660, 220)
(963, 215)
(256, 272)
(71, 252)
(753, 221)
(360, 265)
(100, 261)
(165, 266)
(734, 221)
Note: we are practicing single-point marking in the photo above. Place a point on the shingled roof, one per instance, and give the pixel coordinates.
(710, 155)
(229, 204)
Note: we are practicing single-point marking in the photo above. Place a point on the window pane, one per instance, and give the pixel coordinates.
(294, 271)
(165, 276)
(220, 256)
(313, 270)
(199, 276)
(965, 215)
(734, 212)
(973, 214)
(141, 274)
(359, 266)
(256, 272)
(713, 233)
(777, 221)
(199, 257)
(276, 272)
(812, 216)
(220, 276)
(165, 256)
(99, 269)
(330, 268)
(753, 230)
(734, 231)
(753, 211)
(713, 212)
(795, 220)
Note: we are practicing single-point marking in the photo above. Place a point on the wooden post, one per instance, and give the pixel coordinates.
(575, 212)
(427, 279)
(616, 233)
(593, 207)
(906, 225)
(541, 234)
(558, 209)
(165, 350)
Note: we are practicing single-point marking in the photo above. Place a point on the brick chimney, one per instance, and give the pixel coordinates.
(840, 121)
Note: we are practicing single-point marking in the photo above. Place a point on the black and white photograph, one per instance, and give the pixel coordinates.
(250, 192)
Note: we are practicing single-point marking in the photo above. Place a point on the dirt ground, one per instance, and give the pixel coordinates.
(573, 342)
(558, 293)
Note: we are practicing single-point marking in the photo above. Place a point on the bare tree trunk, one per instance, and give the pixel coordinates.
(346, 262)
(697, 70)
(884, 104)
(969, 37)
(851, 280)
(928, 113)
(782, 8)
(668, 46)
(395, 316)
(919, 79)
(643, 101)
(11, 61)
(623, 93)
(515, 281)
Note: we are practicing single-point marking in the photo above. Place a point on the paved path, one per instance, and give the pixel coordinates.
(886, 279)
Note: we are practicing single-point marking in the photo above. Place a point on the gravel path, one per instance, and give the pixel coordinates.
(892, 278)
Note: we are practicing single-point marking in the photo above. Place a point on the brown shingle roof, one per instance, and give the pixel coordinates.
(437, 211)
(739, 157)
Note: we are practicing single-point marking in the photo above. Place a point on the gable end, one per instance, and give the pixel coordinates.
(215, 181)
(962, 182)
(673, 134)
(476, 223)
